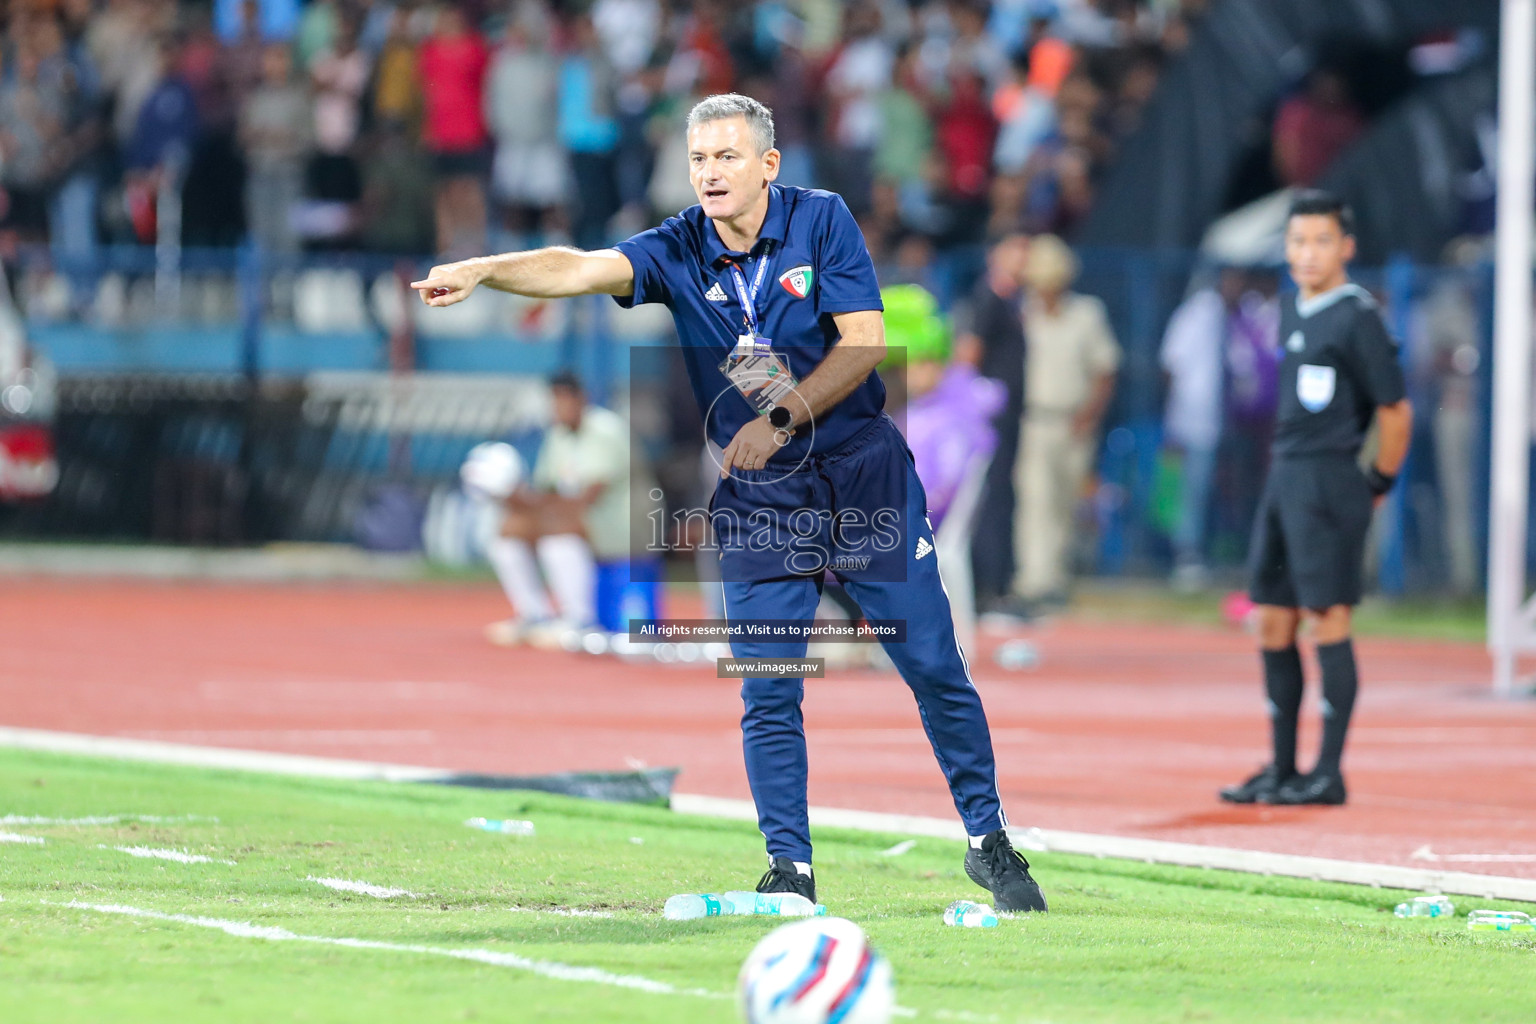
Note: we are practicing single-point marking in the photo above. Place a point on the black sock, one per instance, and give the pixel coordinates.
(1282, 684)
(1340, 684)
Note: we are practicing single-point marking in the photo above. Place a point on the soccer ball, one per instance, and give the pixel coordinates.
(821, 970)
(492, 470)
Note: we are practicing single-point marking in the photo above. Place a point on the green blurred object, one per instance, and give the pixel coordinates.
(915, 327)
(1167, 499)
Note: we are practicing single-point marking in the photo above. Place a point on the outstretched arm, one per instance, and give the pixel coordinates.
(553, 273)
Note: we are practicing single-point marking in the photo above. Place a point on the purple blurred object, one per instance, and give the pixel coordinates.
(948, 428)
(391, 520)
(1253, 362)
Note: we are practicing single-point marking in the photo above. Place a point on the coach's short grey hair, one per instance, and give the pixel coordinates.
(731, 104)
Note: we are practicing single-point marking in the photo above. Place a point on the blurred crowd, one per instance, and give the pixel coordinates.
(417, 126)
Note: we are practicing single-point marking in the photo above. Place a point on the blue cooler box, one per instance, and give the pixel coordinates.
(629, 589)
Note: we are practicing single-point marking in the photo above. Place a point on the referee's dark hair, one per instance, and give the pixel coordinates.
(568, 381)
(1315, 201)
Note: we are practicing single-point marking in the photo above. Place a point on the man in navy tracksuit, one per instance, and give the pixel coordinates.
(779, 316)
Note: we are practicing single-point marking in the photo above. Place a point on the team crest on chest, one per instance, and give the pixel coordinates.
(1296, 342)
(797, 280)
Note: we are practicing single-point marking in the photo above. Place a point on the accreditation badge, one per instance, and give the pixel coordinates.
(1315, 386)
(758, 373)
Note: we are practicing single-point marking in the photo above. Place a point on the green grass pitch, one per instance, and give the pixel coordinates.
(1124, 941)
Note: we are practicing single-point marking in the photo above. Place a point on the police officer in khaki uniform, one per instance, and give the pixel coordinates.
(1069, 378)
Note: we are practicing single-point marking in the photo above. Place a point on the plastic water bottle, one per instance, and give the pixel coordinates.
(772, 904)
(1426, 906)
(691, 906)
(507, 827)
(1499, 921)
(1016, 655)
(965, 914)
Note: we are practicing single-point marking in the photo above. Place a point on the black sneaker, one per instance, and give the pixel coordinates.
(1011, 609)
(1318, 787)
(785, 877)
(997, 866)
(1260, 789)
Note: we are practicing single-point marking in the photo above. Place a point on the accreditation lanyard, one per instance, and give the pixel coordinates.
(752, 338)
(755, 370)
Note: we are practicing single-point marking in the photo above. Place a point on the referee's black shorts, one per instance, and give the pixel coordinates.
(1308, 546)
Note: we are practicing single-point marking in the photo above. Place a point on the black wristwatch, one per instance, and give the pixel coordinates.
(1379, 482)
(780, 418)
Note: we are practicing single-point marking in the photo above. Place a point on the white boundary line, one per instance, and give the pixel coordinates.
(12, 837)
(544, 968)
(365, 888)
(102, 819)
(1151, 851)
(179, 856)
(560, 911)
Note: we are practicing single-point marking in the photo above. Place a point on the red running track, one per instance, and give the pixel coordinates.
(1125, 729)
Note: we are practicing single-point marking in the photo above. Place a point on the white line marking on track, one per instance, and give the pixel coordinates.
(179, 856)
(366, 889)
(544, 968)
(262, 737)
(212, 757)
(561, 911)
(1425, 853)
(102, 819)
(12, 837)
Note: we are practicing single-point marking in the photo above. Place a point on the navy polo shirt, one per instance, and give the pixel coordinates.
(819, 266)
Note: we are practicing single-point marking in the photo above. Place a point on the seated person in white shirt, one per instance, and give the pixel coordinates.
(573, 513)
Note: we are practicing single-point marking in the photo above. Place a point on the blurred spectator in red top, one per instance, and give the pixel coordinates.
(1313, 128)
(702, 41)
(966, 133)
(452, 65)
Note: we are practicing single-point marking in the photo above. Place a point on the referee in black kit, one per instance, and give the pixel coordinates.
(1339, 369)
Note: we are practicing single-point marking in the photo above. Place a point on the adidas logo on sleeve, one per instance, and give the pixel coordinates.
(923, 547)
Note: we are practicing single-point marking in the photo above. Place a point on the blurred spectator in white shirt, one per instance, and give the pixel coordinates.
(1193, 364)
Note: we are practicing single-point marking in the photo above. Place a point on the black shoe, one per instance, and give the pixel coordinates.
(997, 867)
(1011, 608)
(1318, 787)
(1260, 789)
(785, 877)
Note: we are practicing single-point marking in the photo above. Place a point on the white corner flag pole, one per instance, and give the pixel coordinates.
(1508, 629)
